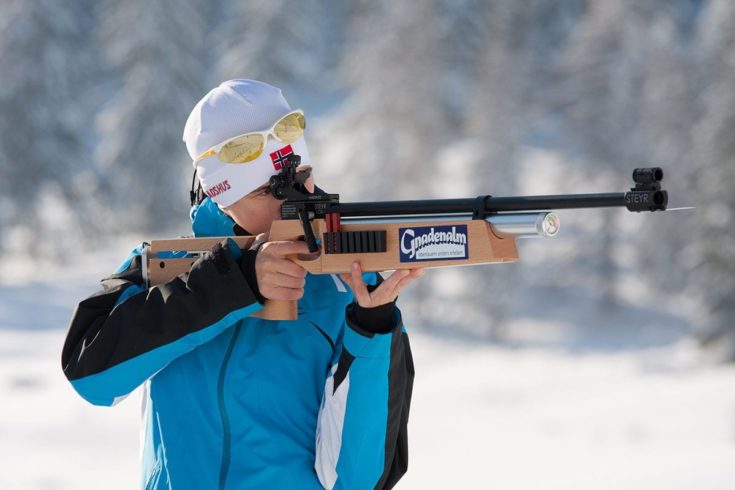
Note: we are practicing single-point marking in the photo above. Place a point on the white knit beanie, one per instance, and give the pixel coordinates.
(233, 108)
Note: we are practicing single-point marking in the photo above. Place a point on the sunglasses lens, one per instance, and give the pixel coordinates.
(290, 128)
(242, 149)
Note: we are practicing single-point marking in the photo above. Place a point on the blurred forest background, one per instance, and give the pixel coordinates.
(404, 100)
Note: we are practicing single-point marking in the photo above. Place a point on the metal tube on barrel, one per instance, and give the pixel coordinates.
(524, 225)
(543, 224)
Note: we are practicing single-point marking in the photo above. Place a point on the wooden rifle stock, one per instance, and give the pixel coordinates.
(471, 242)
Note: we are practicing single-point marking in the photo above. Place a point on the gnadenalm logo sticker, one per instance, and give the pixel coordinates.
(433, 243)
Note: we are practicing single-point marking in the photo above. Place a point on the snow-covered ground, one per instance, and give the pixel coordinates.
(633, 404)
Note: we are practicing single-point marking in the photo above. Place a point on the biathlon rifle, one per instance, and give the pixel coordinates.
(391, 235)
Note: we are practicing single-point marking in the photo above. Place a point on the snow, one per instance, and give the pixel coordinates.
(631, 403)
(492, 417)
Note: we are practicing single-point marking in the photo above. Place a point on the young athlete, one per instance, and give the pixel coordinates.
(234, 401)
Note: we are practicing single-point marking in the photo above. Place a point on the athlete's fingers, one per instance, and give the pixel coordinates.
(273, 257)
(389, 285)
(276, 279)
(259, 241)
(287, 267)
(284, 248)
(415, 274)
(359, 289)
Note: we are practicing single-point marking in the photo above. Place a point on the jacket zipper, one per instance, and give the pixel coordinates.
(226, 435)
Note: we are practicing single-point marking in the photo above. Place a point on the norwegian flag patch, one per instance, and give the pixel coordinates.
(279, 157)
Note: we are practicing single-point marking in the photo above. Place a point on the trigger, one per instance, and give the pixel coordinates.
(311, 240)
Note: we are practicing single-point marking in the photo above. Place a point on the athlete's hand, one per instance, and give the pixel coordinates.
(386, 292)
(279, 277)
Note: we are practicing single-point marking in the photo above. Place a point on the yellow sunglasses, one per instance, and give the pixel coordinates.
(249, 146)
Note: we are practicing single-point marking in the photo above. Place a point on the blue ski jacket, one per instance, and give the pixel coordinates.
(236, 402)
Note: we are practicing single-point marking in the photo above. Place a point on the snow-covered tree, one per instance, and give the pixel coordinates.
(502, 49)
(46, 98)
(714, 235)
(389, 134)
(156, 52)
(393, 120)
(424, 99)
(671, 102)
(602, 82)
(293, 44)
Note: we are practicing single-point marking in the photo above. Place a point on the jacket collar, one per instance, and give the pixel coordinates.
(207, 220)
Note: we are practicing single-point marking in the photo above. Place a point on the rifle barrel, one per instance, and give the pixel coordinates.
(480, 206)
(540, 203)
